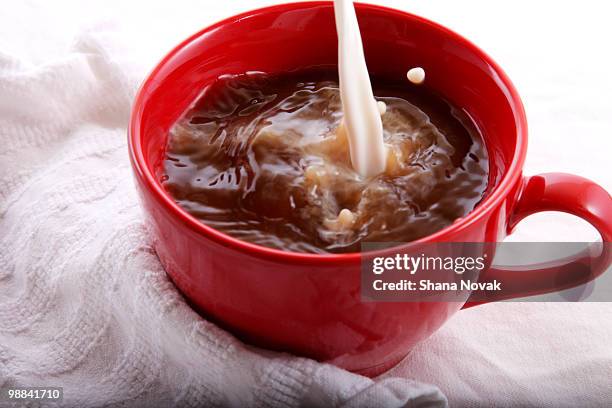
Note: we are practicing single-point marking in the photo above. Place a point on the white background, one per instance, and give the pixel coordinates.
(558, 56)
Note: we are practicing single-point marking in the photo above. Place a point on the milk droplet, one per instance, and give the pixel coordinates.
(382, 107)
(416, 75)
(346, 217)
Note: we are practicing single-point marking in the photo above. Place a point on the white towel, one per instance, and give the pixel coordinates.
(84, 302)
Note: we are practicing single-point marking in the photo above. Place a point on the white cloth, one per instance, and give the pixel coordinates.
(84, 303)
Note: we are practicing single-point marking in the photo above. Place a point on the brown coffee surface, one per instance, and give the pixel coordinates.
(264, 159)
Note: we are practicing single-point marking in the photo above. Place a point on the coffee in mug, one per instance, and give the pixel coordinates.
(265, 158)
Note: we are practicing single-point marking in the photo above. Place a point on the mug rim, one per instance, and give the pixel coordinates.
(489, 203)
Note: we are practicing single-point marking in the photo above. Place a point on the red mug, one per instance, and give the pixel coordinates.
(310, 304)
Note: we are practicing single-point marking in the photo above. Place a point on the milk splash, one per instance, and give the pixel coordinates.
(362, 121)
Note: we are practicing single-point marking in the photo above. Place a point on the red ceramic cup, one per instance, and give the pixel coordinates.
(310, 304)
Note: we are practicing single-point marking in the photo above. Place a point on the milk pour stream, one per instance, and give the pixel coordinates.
(362, 120)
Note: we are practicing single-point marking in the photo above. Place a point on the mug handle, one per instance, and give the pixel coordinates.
(555, 192)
